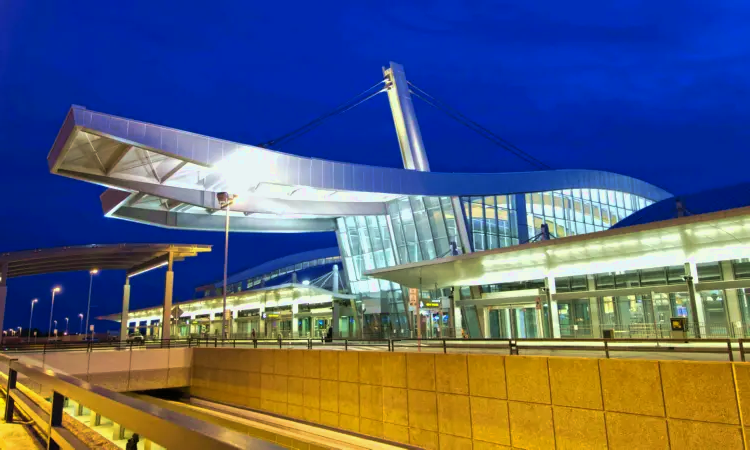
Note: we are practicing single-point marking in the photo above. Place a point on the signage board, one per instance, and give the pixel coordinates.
(413, 297)
(431, 304)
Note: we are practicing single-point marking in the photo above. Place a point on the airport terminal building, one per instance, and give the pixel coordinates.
(382, 217)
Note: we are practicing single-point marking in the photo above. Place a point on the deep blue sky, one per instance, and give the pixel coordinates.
(655, 90)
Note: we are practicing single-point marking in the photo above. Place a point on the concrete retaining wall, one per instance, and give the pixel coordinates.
(489, 401)
(124, 370)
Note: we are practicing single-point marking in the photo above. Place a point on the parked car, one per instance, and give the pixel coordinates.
(136, 338)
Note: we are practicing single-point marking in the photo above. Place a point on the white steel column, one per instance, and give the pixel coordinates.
(405, 119)
(596, 328)
(554, 318)
(295, 320)
(125, 310)
(262, 321)
(166, 321)
(733, 311)
(486, 322)
(696, 303)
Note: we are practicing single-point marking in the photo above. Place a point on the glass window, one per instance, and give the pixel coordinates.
(547, 196)
(536, 200)
(620, 200)
(479, 241)
(709, 271)
(741, 268)
(653, 277)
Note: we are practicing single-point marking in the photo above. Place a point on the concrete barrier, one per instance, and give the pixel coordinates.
(121, 371)
(488, 401)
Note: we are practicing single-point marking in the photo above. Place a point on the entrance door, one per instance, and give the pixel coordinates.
(515, 322)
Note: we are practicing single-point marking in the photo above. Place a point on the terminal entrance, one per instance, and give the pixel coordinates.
(515, 322)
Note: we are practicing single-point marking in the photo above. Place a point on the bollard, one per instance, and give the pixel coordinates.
(9, 402)
(55, 419)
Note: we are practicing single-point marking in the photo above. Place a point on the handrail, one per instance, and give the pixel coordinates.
(164, 427)
(709, 345)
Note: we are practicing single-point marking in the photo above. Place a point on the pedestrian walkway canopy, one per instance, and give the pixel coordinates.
(134, 258)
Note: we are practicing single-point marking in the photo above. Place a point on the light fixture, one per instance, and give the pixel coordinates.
(148, 269)
(306, 282)
(94, 271)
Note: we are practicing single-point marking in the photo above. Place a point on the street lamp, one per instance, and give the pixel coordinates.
(225, 200)
(55, 290)
(80, 327)
(92, 272)
(66, 325)
(33, 302)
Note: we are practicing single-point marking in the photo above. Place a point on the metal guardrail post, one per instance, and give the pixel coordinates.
(9, 402)
(742, 350)
(216, 342)
(279, 338)
(309, 344)
(55, 419)
(346, 344)
(606, 349)
(234, 343)
(445, 348)
(729, 348)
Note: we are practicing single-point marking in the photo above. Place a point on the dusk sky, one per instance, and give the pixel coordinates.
(655, 90)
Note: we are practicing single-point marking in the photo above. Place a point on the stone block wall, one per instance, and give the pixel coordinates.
(455, 401)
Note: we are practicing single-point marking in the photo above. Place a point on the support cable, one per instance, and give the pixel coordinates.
(352, 103)
(476, 127)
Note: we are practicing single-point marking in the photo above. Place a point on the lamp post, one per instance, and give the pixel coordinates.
(225, 200)
(33, 302)
(80, 326)
(55, 290)
(92, 272)
(67, 321)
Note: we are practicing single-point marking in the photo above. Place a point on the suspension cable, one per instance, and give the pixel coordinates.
(476, 127)
(344, 107)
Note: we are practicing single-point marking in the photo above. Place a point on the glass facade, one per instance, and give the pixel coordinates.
(256, 282)
(492, 221)
(365, 244)
(424, 228)
(577, 211)
(417, 228)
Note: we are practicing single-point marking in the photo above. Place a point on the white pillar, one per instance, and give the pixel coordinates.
(596, 328)
(733, 310)
(166, 321)
(692, 270)
(261, 320)
(455, 312)
(486, 322)
(506, 312)
(125, 309)
(550, 282)
(295, 324)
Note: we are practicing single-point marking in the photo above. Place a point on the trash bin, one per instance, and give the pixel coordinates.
(608, 334)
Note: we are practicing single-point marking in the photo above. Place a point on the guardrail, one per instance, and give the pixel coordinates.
(512, 346)
(161, 426)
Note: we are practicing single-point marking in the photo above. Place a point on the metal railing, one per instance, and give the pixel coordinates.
(161, 426)
(725, 346)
